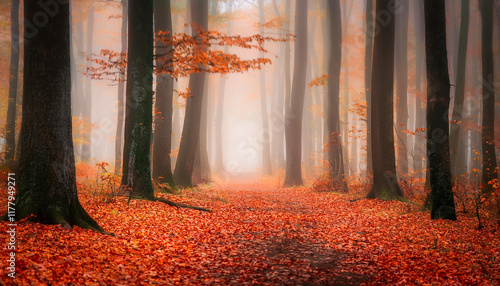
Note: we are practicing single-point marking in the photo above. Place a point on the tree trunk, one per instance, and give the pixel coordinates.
(191, 132)
(46, 176)
(370, 32)
(385, 184)
(458, 103)
(335, 160)
(293, 129)
(121, 95)
(419, 146)
(438, 101)
(266, 141)
(162, 137)
(87, 102)
(10, 127)
(139, 115)
(490, 171)
(402, 86)
(219, 115)
(288, 82)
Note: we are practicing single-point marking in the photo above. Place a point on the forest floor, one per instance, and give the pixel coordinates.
(257, 233)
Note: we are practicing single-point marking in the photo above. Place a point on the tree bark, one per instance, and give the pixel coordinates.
(46, 176)
(385, 184)
(490, 171)
(191, 132)
(438, 101)
(162, 136)
(10, 126)
(402, 86)
(121, 94)
(335, 156)
(458, 109)
(87, 102)
(293, 129)
(139, 115)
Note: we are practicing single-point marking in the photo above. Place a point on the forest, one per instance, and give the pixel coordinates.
(250, 142)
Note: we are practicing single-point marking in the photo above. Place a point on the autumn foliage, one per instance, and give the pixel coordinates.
(256, 233)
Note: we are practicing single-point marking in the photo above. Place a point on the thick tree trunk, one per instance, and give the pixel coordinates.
(402, 86)
(121, 94)
(370, 32)
(201, 168)
(490, 171)
(46, 176)
(87, 102)
(162, 137)
(10, 127)
(139, 115)
(458, 109)
(191, 132)
(385, 184)
(438, 101)
(335, 160)
(293, 129)
(266, 141)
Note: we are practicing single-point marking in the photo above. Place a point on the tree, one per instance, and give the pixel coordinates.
(46, 176)
(335, 158)
(10, 126)
(191, 131)
(87, 101)
(438, 101)
(402, 85)
(459, 85)
(293, 128)
(266, 141)
(385, 185)
(121, 93)
(162, 137)
(419, 146)
(490, 170)
(369, 26)
(139, 100)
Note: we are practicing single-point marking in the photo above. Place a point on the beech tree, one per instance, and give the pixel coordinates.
(385, 184)
(490, 170)
(46, 176)
(191, 131)
(139, 100)
(121, 93)
(438, 101)
(335, 158)
(162, 138)
(10, 126)
(293, 128)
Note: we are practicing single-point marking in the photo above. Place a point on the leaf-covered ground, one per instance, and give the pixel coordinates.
(257, 233)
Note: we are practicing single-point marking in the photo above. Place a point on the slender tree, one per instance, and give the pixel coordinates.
(191, 131)
(490, 170)
(46, 177)
(139, 99)
(293, 128)
(266, 141)
(121, 94)
(385, 185)
(335, 160)
(87, 102)
(419, 146)
(162, 137)
(10, 127)
(438, 101)
(458, 109)
(369, 26)
(402, 85)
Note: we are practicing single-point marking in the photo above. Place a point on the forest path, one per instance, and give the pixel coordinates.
(285, 228)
